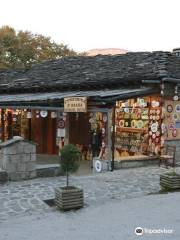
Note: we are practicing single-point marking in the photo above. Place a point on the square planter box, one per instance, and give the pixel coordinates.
(169, 181)
(69, 198)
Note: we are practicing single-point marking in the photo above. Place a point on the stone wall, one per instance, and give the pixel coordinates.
(18, 159)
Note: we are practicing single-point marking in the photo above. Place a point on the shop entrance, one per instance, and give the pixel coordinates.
(79, 130)
(88, 131)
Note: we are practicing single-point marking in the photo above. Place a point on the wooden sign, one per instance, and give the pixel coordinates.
(75, 104)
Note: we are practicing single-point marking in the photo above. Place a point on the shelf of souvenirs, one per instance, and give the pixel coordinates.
(126, 149)
(130, 129)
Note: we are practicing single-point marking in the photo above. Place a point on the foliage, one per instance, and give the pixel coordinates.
(23, 48)
(70, 159)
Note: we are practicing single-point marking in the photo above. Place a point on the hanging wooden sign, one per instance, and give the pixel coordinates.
(75, 104)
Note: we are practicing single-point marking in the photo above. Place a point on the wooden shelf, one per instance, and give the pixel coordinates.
(128, 129)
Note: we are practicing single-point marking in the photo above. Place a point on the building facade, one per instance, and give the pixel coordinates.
(115, 108)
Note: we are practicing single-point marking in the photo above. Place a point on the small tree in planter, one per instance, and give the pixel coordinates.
(69, 197)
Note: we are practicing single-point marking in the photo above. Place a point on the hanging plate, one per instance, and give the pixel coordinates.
(140, 124)
(43, 114)
(154, 127)
(121, 123)
(133, 123)
(169, 108)
(177, 108)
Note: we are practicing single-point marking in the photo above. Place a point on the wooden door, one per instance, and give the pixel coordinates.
(79, 128)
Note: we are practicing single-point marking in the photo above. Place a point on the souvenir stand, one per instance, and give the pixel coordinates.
(138, 127)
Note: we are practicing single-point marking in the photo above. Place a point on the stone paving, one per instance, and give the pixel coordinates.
(26, 197)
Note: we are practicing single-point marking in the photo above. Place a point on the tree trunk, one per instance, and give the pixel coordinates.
(67, 178)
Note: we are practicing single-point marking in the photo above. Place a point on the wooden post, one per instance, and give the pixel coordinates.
(29, 130)
(2, 124)
(113, 135)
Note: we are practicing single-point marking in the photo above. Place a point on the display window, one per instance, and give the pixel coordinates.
(138, 127)
(13, 123)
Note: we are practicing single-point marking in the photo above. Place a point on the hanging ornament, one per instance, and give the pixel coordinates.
(162, 89)
(175, 98)
(43, 114)
(29, 115)
(53, 114)
(105, 118)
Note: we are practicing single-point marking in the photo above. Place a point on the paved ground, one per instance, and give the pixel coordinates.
(114, 220)
(26, 197)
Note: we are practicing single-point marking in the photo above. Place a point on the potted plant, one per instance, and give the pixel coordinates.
(170, 181)
(69, 197)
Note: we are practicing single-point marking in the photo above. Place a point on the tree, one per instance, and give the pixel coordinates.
(22, 49)
(70, 160)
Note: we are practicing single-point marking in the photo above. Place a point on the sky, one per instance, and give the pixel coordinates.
(135, 25)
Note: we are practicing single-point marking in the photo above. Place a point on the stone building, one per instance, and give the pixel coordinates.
(121, 108)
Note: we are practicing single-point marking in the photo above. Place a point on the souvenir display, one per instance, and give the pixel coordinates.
(155, 113)
(138, 129)
(171, 121)
(132, 119)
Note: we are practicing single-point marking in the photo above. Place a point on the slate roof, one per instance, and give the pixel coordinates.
(82, 73)
(27, 99)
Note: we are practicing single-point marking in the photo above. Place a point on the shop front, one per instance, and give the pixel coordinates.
(111, 107)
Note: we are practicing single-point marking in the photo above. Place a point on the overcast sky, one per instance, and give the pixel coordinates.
(137, 25)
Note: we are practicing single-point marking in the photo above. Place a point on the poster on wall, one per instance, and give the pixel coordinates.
(171, 121)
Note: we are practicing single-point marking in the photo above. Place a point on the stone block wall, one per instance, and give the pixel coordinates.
(18, 159)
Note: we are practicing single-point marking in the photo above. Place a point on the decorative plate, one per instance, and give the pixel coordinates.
(43, 114)
(157, 140)
(126, 124)
(126, 110)
(154, 127)
(121, 123)
(177, 108)
(175, 98)
(169, 108)
(157, 133)
(153, 136)
(53, 114)
(174, 132)
(140, 124)
(175, 116)
(29, 115)
(105, 118)
(157, 117)
(133, 123)
(158, 111)
(145, 117)
(103, 130)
